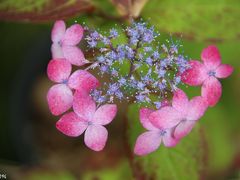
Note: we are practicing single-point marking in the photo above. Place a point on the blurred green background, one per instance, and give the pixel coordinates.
(31, 147)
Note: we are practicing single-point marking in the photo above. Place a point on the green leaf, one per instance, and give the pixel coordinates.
(121, 171)
(183, 162)
(221, 150)
(49, 175)
(23, 6)
(105, 6)
(213, 21)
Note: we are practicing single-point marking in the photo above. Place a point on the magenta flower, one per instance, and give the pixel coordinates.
(183, 114)
(65, 41)
(150, 141)
(206, 74)
(86, 117)
(60, 96)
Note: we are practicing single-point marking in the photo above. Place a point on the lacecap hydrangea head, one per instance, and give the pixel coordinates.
(131, 64)
(150, 67)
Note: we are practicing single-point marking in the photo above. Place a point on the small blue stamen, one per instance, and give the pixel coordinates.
(60, 43)
(163, 132)
(65, 81)
(211, 73)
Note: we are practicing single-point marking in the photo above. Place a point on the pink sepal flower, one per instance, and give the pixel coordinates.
(183, 114)
(87, 117)
(206, 74)
(150, 140)
(60, 96)
(65, 41)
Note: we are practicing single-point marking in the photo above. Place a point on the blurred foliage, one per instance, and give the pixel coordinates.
(196, 20)
(39, 175)
(42, 10)
(105, 6)
(213, 146)
(220, 151)
(123, 171)
(23, 6)
(126, 7)
(213, 21)
(28, 8)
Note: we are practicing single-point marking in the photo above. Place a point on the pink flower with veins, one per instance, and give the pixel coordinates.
(206, 74)
(183, 114)
(87, 117)
(60, 96)
(150, 141)
(65, 41)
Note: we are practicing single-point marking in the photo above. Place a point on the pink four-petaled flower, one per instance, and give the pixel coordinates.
(87, 117)
(170, 123)
(183, 114)
(150, 141)
(65, 41)
(60, 96)
(206, 74)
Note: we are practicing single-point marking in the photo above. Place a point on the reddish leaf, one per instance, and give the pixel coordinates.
(38, 11)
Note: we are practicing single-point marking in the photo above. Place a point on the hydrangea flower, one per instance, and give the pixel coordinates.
(150, 141)
(206, 74)
(65, 41)
(138, 51)
(60, 96)
(183, 114)
(170, 123)
(87, 117)
(154, 74)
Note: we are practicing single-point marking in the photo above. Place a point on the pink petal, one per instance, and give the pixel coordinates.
(105, 114)
(195, 75)
(211, 57)
(82, 79)
(168, 139)
(73, 35)
(59, 99)
(74, 55)
(71, 125)
(224, 70)
(56, 50)
(183, 129)
(180, 101)
(83, 105)
(58, 30)
(96, 137)
(144, 114)
(166, 117)
(147, 143)
(211, 91)
(58, 70)
(197, 108)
